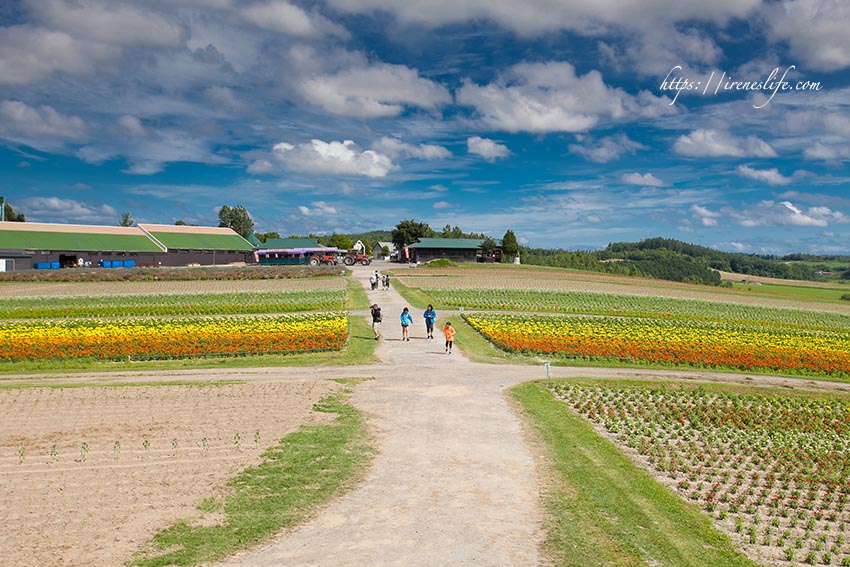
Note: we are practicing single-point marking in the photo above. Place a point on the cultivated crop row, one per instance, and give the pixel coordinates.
(168, 305)
(699, 343)
(773, 471)
(631, 306)
(138, 338)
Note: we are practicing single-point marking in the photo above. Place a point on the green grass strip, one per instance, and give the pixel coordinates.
(605, 510)
(305, 470)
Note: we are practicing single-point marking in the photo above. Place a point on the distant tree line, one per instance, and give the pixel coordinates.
(674, 260)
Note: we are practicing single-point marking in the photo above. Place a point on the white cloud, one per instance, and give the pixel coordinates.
(785, 213)
(439, 205)
(319, 208)
(333, 158)
(372, 91)
(816, 31)
(112, 23)
(486, 148)
(550, 97)
(705, 216)
(716, 143)
(144, 167)
(283, 17)
(131, 125)
(646, 180)
(224, 97)
(607, 149)
(29, 54)
(827, 153)
(395, 148)
(770, 176)
(54, 209)
(40, 127)
(533, 17)
(261, 167)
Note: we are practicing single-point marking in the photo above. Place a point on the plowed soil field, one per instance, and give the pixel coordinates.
(88, 474)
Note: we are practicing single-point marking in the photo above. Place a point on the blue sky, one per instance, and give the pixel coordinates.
(574, 123)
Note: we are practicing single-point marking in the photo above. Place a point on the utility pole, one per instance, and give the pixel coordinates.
(2, 208)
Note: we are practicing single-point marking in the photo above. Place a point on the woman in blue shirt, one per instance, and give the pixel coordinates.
(430, 316)
(406, 323)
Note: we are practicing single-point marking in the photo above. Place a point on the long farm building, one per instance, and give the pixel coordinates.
(25, 245)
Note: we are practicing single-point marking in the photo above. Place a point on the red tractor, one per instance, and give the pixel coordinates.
(353, 257)
(324, 259)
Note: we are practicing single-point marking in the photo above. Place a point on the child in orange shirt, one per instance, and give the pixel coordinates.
(450, 335)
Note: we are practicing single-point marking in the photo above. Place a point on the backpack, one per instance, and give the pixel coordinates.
(376, 315)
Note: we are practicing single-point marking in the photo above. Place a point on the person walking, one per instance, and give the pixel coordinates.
(373, 281)
(450, 336)
(430, 316)
(406, 323)
(376, 320)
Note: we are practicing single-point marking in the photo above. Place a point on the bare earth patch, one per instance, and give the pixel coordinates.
(88, 475)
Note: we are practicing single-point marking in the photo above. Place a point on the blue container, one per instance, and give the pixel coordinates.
(54, 265)
(42, 265)
(117, 263)
(129, 263)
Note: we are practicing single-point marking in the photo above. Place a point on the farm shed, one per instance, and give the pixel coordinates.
(378, 246)
(205, 245)
(27, 245)
(454, 249)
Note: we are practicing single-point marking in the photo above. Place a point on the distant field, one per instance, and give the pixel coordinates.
(554, 279)
(579, 318)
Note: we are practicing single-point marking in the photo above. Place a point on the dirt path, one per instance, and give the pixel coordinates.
(453, 483)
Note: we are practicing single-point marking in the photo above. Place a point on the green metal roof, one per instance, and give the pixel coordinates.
(449, 243)
(284, 243)
(194, 241)
(11, 239)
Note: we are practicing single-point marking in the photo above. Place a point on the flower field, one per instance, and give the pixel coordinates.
(585, 303)
(756, 345)
(178, 337)
(172, 304)
(772, 470)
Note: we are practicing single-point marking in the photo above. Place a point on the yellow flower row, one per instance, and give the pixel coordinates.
(682, 342)
(166, 338)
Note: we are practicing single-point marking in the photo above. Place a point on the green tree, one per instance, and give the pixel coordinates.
(126, 219)
(264, 236)
(340, 241)
(10, 215)
(408, 231)
(510, 246)
(236, 218)
(487, 247)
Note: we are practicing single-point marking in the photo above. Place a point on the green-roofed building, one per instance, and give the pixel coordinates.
(454, 249)
(26, 245)
(204, 245)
